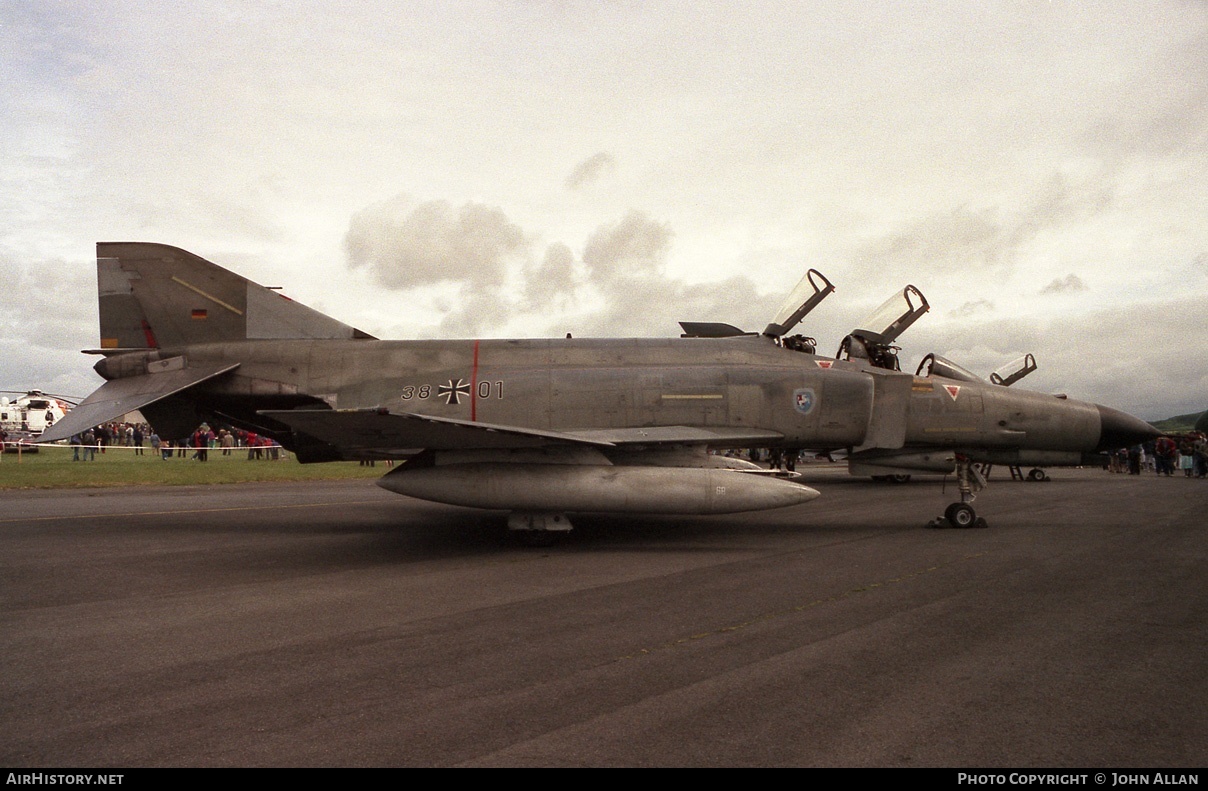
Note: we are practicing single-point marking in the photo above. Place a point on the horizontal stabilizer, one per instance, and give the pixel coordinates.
(357, 432)
(119, 396)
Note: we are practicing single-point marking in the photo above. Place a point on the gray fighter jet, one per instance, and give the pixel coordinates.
(543, 428)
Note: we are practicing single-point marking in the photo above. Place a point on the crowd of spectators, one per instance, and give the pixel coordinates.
(1166, 455)
(196, 446)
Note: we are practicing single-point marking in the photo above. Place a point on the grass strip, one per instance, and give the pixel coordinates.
(52, 467)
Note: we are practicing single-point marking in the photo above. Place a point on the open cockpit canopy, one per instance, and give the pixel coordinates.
(1013, 371)
(894, 315)
(873, 339)
(809, 291)
(935, 365)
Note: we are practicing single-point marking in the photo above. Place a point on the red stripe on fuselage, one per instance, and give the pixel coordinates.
(149, 335)
(474, 385)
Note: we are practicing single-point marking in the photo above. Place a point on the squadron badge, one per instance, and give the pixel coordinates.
(803, 400)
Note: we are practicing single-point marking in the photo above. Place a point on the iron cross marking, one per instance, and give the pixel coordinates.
(452, 392)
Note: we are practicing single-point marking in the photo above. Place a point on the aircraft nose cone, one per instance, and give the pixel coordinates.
(1120, 430)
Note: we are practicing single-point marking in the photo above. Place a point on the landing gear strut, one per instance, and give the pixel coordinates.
(538, 529)
(969, 481)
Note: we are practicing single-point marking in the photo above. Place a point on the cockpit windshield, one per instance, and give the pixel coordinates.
(894, 315)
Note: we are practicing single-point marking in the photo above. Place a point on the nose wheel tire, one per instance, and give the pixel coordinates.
(960, 515)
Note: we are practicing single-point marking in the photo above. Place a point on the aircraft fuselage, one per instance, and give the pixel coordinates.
(556, 384)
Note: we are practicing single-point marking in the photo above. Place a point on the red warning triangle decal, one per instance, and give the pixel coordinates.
(824, 363)
(953, 390)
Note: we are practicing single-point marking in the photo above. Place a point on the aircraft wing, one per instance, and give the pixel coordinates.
(681, 435)
(377, 432)
(119, 396)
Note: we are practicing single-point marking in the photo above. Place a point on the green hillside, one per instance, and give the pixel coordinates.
(1179, 423)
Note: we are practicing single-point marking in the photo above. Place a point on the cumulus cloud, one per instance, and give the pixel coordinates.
(634, 247)
(405, 245)
(591, 170)
(620, 275)
(33, 306)
(960, 237)
(651, 306)
(625, 263)
(982, 240)
(971, 308)
(46, 317)
(1069, 284)
(477, 311)
(553, 281)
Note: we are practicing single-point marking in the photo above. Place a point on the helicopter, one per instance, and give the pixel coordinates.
(25, 417)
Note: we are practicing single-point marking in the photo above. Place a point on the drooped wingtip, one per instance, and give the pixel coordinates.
(1120, 429)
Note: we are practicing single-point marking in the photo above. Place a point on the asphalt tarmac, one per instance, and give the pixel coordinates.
(336, 624)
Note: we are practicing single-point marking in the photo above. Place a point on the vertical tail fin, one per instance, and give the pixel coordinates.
(157, 296)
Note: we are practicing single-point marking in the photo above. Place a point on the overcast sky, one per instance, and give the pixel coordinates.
(515, 169)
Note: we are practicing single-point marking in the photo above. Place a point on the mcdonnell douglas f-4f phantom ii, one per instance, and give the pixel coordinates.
(543, 428)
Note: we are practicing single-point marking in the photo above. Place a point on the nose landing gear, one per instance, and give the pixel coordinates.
(969, 480)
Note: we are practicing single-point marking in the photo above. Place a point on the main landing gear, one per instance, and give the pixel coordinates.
(969, 481)
(538, 529)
